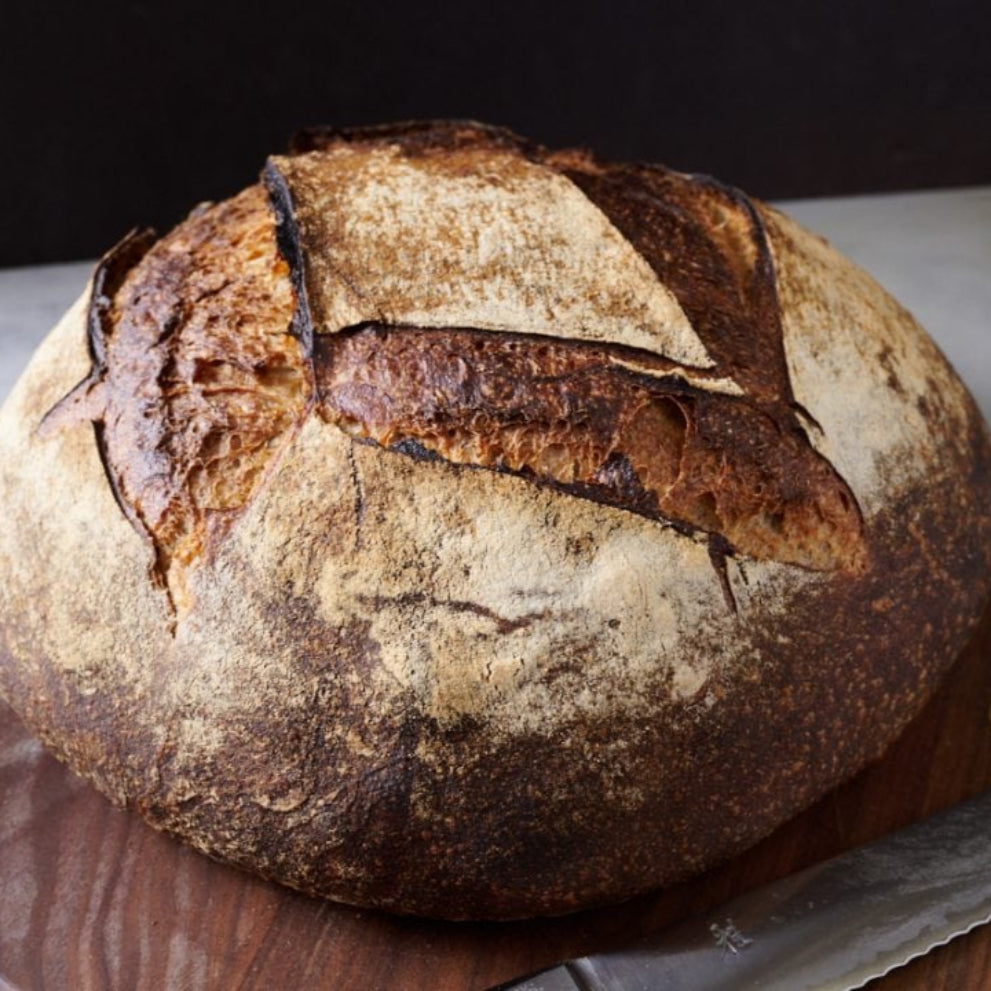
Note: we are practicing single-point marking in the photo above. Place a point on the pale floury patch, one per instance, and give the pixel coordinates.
(481, 239)
(875, 383)
(510, 595)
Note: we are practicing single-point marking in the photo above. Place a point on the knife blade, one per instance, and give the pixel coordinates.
(832, 927)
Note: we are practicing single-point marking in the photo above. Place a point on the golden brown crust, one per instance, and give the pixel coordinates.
(197, 378)
(570, 417)
(409, 683)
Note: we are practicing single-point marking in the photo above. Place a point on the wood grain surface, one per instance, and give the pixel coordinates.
(91, 898)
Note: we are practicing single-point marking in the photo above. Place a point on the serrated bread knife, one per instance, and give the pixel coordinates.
(834, 926)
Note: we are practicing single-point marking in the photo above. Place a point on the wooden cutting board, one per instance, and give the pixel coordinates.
(91, 898)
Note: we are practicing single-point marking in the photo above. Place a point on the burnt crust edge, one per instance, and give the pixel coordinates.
(108, 276)
(289, 245)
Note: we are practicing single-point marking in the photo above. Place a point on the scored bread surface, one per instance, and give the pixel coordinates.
(458, 527)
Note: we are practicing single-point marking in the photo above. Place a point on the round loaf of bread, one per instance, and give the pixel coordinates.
(459, 527)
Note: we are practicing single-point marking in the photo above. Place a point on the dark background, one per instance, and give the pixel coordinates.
(115, 114)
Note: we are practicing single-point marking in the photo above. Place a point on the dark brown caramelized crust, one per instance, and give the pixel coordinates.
(197, 377)
(564, 414)
(202, 370)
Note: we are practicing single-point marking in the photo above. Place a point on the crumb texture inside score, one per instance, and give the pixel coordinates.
(567, 416)
(201, 378)
(203, 382)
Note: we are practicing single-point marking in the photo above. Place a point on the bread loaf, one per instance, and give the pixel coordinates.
(458, 527)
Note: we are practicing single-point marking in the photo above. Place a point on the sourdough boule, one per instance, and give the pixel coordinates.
(454, 526)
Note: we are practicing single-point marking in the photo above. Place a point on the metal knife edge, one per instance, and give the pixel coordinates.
(842, 922)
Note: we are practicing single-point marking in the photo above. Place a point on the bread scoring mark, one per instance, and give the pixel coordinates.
(475, 237)
(195, 381)
(837, 324)
(87, 401)
(704, 241)
(707, 242)
(290, 249)
(563, 415)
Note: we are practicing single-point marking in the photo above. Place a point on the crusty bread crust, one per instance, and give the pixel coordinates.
(414, 649)
(194, 377)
